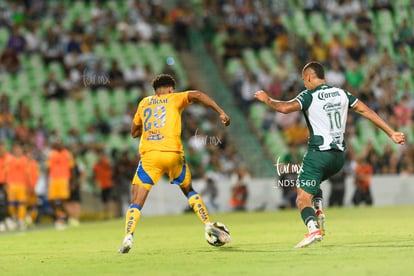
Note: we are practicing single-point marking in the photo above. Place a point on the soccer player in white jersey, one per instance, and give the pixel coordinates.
(325, 109)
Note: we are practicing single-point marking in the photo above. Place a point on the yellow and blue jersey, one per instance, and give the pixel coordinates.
(160, 117)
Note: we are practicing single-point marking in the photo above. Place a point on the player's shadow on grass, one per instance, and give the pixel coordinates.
(250, 249)
(378, 244)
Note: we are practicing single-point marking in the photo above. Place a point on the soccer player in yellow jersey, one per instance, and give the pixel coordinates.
(158, 122)
(17, 179)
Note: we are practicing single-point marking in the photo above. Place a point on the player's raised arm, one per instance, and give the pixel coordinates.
(198, 96)
(364, 110)
(280, 106)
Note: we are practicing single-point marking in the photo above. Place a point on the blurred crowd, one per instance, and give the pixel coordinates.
(42, 29)
(64, 35)
(356, 55)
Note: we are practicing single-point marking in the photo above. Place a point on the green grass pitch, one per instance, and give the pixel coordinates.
(359, 241)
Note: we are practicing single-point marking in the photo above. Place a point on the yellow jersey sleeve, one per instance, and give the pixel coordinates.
(137, 119)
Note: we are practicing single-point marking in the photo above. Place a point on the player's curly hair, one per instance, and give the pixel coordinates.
(163, 80)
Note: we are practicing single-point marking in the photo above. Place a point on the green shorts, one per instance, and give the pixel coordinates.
(318, 166)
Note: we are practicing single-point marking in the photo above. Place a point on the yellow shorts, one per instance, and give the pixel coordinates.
(32, 199)
(16, 193)
(155, 164)
(58, 189)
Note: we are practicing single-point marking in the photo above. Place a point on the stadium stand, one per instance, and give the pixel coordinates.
(89, 90)
(378, 42)
(386, 64)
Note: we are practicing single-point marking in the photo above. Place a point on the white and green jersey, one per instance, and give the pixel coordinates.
(326, 109)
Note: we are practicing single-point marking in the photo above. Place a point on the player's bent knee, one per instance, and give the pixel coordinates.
(186, 188)
(186, 184)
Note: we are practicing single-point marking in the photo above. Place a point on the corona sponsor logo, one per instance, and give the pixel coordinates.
(326, 95)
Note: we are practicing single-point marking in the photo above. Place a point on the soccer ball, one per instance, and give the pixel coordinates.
(217, 234)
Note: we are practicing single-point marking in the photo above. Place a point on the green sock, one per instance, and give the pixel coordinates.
(308, 216)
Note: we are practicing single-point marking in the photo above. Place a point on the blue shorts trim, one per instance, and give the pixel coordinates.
(181, 177)
(143, 176)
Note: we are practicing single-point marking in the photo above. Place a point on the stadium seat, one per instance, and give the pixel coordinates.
(115, 141)
(52, 116)
(233, 66)
(70, 111)
(218, 42)
(275, 142)
(318, 22)
(409, 131)
(287, 22)
(301, 24)
(36, 103)
(131, 144)
(90, 158)
(402, 13)
(250, 57)
(410, 55)
(166, 49)
(103, 100)
(366, 131)
(381, 139)
(148, 52)
(356, 144)
(267, 56)
(337, 27)
(386, 43)
(405, 3)
(132, 96)
(385, 22)
(256, 113)
(4, 36)
(87, 109)
(119, 100)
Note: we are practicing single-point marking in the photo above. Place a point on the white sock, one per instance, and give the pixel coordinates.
(312, 225)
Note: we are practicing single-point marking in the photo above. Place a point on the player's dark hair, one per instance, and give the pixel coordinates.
(163, 80)
(317, 68)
